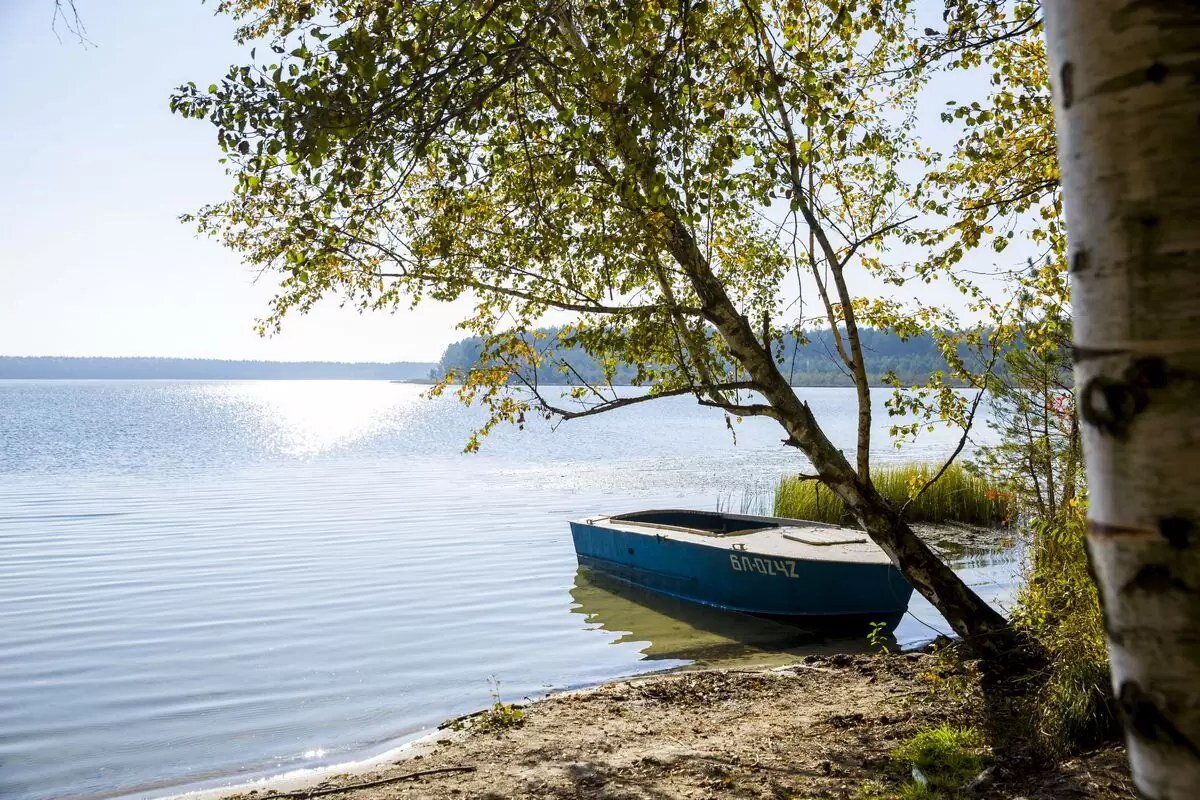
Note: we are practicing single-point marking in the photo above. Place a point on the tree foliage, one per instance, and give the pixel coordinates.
(400, 152)
(1001, 183)
(1038, 457)
(681, 182)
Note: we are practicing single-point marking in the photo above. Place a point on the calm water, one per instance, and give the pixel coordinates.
(205, 582)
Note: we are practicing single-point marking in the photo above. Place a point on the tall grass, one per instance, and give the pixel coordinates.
(1060, 607)
(957, 496)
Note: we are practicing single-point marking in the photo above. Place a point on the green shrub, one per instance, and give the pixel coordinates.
(499, 717)
(1060, 607)
(957, 496)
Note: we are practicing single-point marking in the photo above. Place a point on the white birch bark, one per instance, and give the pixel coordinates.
(1126, 79)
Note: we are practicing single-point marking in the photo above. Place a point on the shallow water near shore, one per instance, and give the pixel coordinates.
(206, 582)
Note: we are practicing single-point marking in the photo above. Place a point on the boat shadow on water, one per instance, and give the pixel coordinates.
(680, 630)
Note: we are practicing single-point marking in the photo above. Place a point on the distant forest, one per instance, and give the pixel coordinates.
(812, 364)
(49, 367)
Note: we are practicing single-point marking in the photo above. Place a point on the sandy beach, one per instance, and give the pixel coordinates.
(821, 728)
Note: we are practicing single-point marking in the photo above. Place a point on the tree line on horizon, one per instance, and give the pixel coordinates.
(807, 359)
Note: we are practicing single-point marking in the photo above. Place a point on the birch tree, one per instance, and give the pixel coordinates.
(1127, 108)
(659, 171)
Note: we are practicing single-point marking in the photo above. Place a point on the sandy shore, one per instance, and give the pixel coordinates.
(818, 729)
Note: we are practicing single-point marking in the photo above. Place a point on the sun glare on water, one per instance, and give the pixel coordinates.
(304, 418)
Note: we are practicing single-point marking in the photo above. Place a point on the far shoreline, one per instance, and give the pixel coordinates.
(400, 381)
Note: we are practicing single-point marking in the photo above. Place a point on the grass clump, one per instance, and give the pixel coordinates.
(942, 762)
(1060, 607)
(957, 496)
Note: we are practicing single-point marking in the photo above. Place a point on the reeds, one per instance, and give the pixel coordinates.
(956, 496)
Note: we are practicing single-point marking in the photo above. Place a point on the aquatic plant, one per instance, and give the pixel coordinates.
(956, 496)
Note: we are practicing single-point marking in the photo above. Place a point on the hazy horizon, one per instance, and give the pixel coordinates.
(50, 368)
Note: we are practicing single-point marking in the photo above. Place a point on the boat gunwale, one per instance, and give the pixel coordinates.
(775, 522)
(875, 556)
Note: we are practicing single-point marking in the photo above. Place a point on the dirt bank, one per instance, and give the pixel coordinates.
(820, 729)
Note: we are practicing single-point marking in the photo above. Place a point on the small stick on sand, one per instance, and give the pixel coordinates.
(350, 787)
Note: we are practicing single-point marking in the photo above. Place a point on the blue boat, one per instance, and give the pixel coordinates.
(758, 565)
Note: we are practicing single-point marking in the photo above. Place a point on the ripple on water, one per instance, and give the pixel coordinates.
(205, 581)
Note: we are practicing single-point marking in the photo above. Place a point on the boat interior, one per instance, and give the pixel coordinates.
(711, 523)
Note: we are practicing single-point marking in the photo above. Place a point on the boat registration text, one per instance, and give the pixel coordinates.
(766, 566)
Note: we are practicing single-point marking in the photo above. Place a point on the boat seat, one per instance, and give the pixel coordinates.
(824, 541)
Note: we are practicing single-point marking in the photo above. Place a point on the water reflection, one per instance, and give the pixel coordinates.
(678, 630)
(968, 546)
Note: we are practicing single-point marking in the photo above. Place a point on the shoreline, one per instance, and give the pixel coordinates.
(822, 727)
(411, 749)
(303, 778)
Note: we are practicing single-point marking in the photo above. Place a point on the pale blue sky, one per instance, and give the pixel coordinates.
(95, 170)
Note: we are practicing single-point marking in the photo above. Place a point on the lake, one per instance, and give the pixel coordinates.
(206, 582)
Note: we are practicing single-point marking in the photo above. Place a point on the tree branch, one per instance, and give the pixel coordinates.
(962, 441)
(622, 402)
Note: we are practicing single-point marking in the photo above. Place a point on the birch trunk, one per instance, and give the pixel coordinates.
(980, 625)
(1126, 77)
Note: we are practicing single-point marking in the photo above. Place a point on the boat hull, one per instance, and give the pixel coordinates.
(743, 580)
